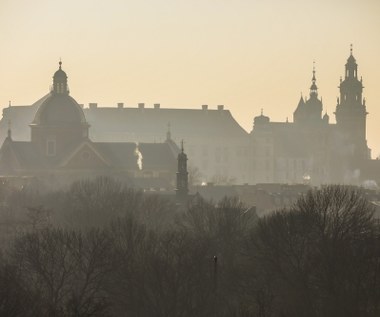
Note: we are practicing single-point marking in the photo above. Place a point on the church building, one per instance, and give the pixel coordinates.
(60, 149)
(311, 149)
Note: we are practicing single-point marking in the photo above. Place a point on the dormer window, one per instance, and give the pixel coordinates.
(51, 147)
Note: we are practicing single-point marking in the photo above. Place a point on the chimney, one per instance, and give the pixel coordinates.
(141, 105)
(120, 105)
(93, 105)
(156, 106)
(220, 107)
(204, 107)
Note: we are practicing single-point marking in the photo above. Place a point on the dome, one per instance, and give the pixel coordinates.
(261, 119)
(59, 109)
(60, 74)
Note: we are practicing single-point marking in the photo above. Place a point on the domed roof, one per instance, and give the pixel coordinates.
(60, 74)
(59, 109)
(261, 119)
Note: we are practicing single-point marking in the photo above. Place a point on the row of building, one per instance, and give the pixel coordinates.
(58, 139)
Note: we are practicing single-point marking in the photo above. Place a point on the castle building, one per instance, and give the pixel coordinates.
(310, 149)
(60, 149)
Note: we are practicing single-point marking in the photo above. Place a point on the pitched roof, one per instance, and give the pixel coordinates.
(148, 123)
(123, 155)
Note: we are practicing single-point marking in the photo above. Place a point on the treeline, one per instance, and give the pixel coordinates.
(102, 249)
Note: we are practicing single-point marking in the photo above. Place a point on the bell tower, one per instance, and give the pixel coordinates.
(351, 111)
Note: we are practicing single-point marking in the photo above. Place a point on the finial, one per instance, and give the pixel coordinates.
(262, 111)
(287, 120)
(351, 48)
(182, 145)
(60, 63)
(10, 104)
(313, 79)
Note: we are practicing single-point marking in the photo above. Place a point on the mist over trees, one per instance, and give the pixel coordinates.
(99, 248)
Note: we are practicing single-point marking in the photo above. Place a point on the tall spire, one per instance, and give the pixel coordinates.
(313, 87)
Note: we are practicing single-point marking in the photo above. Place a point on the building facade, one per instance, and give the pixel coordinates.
(311, 149)
(307, 150)
(60, 149)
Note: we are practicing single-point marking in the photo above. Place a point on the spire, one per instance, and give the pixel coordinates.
(351, 66)
(313, 87)
(182, 189)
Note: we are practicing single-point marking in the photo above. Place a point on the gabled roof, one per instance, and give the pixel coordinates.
(155, 156)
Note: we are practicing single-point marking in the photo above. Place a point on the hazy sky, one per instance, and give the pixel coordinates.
(245, 54)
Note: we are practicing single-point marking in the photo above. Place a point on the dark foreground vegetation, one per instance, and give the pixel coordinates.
(101, 249)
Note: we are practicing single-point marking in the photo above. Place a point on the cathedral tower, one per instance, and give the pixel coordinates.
(309, 110)
(351, 111)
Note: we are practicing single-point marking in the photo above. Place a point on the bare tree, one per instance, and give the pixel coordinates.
(321, 255)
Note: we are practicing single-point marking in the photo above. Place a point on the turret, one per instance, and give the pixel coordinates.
(351, 111)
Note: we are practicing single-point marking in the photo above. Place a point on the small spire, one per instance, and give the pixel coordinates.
(262, 111)
(313, 87)
(10, 104)
(182, 145)
(351, 49)
(60, 63)
(287, 120)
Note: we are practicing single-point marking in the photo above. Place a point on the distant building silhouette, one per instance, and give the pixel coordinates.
(182, 189)
(308, 150)
(60, 149)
